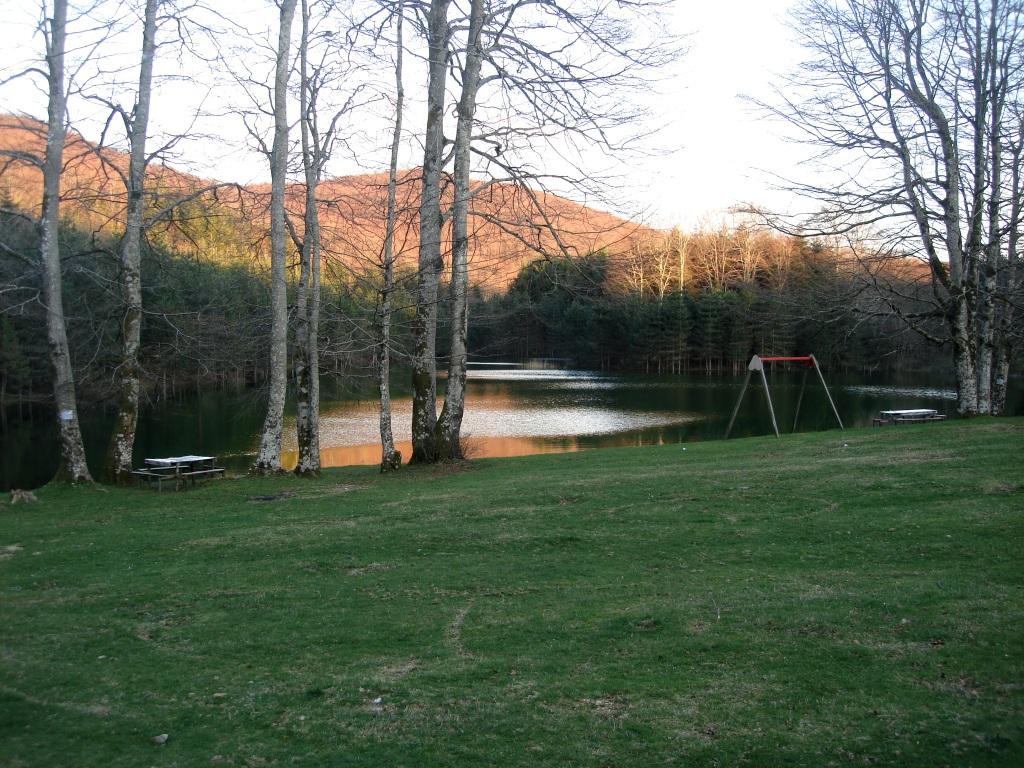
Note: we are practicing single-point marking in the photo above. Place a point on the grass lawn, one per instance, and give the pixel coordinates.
(824, 599)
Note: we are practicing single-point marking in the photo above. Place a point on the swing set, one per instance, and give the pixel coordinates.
(757, 364)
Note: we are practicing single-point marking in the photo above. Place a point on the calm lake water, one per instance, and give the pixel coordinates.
(508, 413)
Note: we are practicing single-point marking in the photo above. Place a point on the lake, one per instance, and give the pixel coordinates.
(509, 412)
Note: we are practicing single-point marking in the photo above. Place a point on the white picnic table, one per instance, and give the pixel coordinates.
(188, 462)
(179, 469)
(907, 415)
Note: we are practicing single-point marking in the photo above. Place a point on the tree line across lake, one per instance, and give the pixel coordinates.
(696, 302)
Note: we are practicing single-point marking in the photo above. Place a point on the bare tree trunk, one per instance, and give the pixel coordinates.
(122, 440)
(268, 460)
(1001, 375)
(307, 406)
(1009, 287)
(987, 97)
(424, 328)
(72, 451)
(308, 459)
(964, 358)
(390, 458)
(449, 425)
(314, 354)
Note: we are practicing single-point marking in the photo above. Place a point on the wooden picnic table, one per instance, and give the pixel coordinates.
(907, 416)
(180, 469)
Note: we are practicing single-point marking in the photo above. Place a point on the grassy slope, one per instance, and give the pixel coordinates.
(818, 600)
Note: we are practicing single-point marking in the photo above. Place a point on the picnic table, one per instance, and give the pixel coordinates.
(180, 469)
(907, 416)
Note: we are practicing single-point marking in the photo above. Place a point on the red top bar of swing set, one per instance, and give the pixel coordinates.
(786, 359)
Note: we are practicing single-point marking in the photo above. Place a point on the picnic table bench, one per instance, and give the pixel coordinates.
(180, 469)
(907, 416)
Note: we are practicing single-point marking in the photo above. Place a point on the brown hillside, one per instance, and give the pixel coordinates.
(92, 183)
(510, 225)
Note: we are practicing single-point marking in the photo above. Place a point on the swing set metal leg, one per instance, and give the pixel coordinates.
(827, 393)
(736, 410)
(768, 397)
(800, 398)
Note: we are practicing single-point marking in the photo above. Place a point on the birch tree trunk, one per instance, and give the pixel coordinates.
(984, 229)
(72, 466)
(964, 356)
(1009, 286)
(424, 327)
(314, 355)
(957, 278)
(122, 440)
(306, 342)
(268, 459)
(390, 458)
(449, 426)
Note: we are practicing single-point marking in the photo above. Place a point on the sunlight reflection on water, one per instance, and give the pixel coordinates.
(499, 421)
(530, 374)
(517, 411)
(550, 422)
(582, 385)
(351, 435)
(931, 392)
(358, 424)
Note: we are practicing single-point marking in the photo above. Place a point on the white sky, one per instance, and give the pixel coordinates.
(723, 152)
(727, 152)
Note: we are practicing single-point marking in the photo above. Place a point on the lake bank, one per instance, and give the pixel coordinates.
(819, 599)
(508, 412)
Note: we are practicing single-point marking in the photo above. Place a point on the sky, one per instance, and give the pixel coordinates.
(727, 152)
(718, 151)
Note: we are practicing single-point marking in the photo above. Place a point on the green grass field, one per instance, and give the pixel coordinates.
(824, 599)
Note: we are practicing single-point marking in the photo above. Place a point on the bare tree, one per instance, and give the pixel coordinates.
(268, 459)
(390, 458)
(122, 439)
(922, 99)
(665, 258)
(424, 362)
(634, 269)
(1009, 279)
(449, 425)
(307, 298)
(72, 451)
(544, 75)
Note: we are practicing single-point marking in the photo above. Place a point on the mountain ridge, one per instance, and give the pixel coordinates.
(510, 225)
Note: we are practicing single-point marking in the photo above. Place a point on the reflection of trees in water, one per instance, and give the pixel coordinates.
(225, 423)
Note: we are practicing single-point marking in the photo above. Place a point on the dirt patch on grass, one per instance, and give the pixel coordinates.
(273, 496)
(362, 570)
(962, 685)
(1000, 488)
(9, 551)
(391, 673)
(336, 522)
(334, 490)
(316, 491)
(615, 708)
(269, 536)
(449, 468)
(850, 458)
(647, 624)
(95, 709)
(454, 634)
